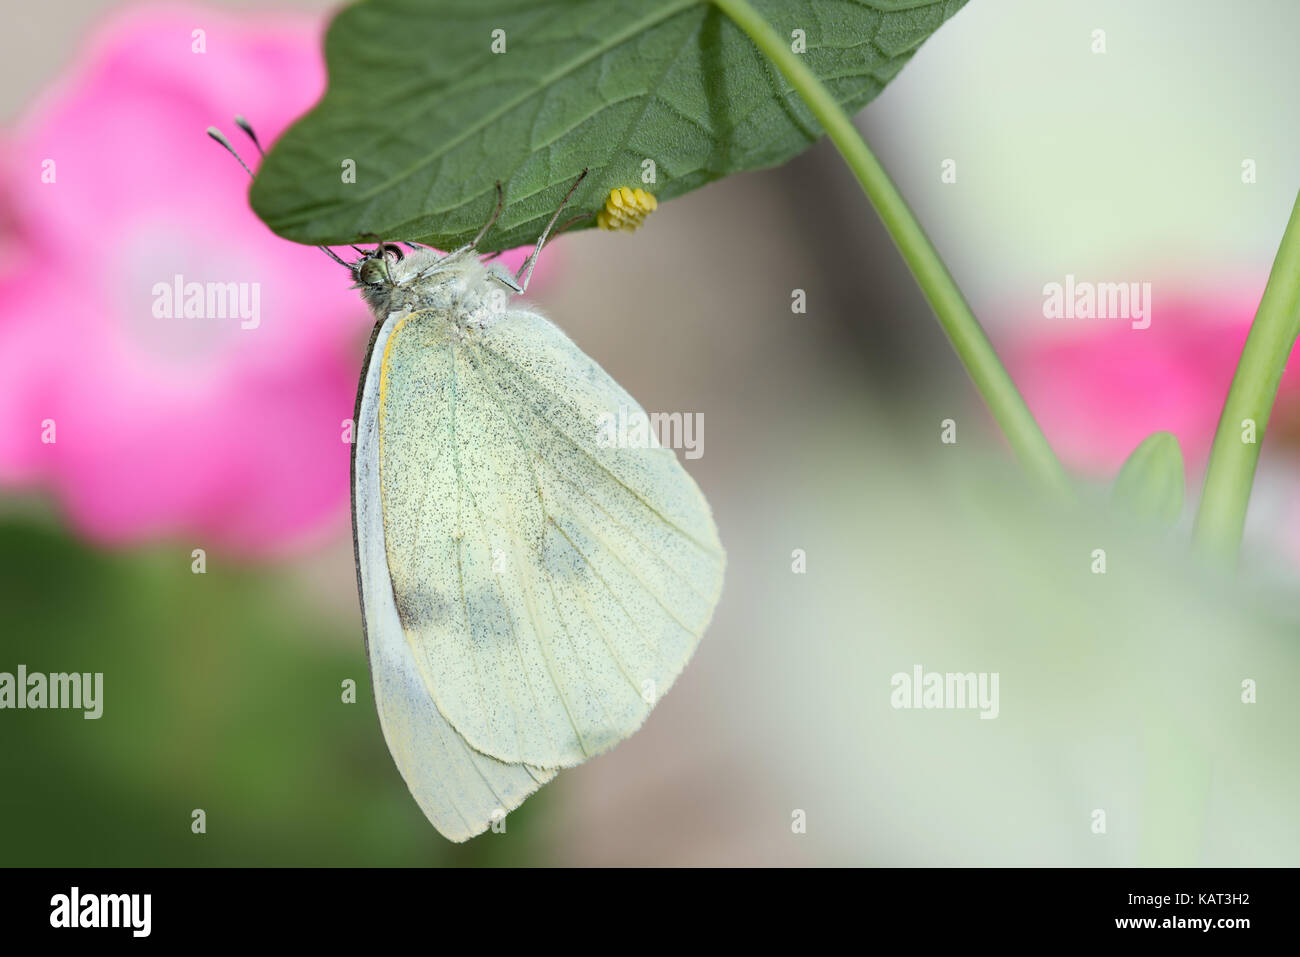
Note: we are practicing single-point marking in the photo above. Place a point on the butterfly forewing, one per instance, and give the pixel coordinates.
(550, 587)
(462, 791)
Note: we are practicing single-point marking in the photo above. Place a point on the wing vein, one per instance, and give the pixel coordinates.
(529, 598)
(709, 549)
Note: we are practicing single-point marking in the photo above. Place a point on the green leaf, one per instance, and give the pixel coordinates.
(432, 118)
(1150, 483)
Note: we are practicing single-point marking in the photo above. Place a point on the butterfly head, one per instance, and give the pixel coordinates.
(389, 277)
(378, 267)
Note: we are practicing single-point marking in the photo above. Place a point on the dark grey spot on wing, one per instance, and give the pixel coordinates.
(490, 621)
(423, 606)
(563, 550)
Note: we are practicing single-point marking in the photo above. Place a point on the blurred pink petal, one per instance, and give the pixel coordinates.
(193, 427)
(172, 427)
(1099, 387)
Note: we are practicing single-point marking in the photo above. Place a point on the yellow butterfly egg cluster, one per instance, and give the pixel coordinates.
(626, 209)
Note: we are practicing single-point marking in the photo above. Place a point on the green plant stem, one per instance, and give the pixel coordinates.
(1231, 471)
(955, 316)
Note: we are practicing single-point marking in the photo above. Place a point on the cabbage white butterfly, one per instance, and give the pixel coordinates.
(528, 593)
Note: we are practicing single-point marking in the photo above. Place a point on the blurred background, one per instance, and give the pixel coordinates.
(1173, 157)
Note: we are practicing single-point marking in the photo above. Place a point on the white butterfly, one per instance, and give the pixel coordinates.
(528, 592)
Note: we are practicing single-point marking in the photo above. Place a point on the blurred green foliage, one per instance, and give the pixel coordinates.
(220, 694)
(1149, 486)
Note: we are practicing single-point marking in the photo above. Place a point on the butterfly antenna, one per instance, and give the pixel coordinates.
(243, 124)
(526, 270)
(220, 137)
(247, 127)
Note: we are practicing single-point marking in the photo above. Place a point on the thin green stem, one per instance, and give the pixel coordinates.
(955, 316)
(1235, 452)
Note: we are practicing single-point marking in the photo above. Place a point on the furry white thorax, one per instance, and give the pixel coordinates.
(468, 291)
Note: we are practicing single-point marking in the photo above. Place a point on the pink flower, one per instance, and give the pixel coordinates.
(1099, 387)
(226, 432)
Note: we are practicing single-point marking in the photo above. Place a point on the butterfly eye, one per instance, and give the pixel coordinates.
(372, 272)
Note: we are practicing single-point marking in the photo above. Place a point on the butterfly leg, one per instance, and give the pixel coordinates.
(461, 250)
(526, 270)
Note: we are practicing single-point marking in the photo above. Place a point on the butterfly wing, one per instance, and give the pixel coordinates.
(550, 588)
(460, 790)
